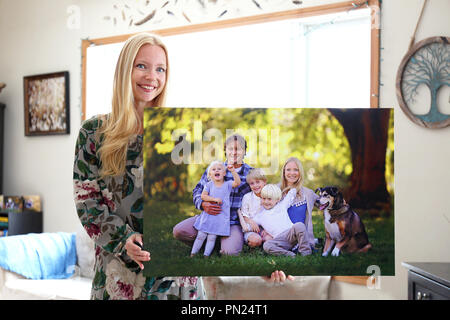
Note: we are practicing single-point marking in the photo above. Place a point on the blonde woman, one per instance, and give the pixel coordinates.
(299, 238)
(292, 176)
(108, 171)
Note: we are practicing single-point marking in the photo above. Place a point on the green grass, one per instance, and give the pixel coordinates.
(172, 258)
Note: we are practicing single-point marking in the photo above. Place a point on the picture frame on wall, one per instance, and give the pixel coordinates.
(46, 104)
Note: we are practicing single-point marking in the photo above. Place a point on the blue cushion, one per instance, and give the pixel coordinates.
(39, 255)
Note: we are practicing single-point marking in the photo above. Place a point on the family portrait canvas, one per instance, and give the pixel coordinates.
(246, 191)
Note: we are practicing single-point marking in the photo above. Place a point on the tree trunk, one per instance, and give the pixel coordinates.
(367, 134)
(433, 115)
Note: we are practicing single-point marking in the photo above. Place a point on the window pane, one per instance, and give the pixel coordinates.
(338, 63)
(321, 61)
(247, 66)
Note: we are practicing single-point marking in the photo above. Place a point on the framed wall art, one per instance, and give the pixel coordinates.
(422, 77)
(46, 102)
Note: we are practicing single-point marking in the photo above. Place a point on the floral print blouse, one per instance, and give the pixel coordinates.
(111, 210)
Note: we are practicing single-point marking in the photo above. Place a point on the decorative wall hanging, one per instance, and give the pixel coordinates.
(427, 63)
(137, 13)
(46, 101)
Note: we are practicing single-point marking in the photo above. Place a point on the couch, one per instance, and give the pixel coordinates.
(75, 287)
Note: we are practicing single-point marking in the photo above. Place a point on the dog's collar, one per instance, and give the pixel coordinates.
(339, 212)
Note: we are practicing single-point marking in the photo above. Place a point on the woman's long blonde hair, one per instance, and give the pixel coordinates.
(297, 185)
(124, 121)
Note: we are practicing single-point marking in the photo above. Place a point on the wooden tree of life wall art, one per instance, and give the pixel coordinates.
(427, 64)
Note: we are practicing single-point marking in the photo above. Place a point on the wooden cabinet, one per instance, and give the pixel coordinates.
(16, 223)
(428, 280)
(24, 222)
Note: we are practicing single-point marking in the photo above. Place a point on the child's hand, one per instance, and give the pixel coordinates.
(230, 167)
(254, 226)
(266, 236)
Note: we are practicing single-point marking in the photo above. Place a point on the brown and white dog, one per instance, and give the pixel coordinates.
(344, 228)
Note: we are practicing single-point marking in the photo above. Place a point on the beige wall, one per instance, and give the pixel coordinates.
(35, 38)
(422, 156)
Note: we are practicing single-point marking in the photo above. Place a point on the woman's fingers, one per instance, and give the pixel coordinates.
(278, 277)
(134, 250)
(282, 277)
(139, 255)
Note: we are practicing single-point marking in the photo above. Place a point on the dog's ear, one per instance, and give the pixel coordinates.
(338, 199)
(318, 189)
(333, 191)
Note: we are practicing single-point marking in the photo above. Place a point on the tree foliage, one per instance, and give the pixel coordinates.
(312, 135)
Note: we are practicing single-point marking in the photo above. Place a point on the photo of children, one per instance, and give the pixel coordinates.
(254, 207)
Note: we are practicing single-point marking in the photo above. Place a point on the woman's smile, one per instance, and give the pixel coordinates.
(291, 173)
(147, 88)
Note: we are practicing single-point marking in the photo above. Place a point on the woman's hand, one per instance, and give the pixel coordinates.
(278, 277)
(135, 252)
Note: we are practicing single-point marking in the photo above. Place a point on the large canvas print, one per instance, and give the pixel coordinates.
(246, 191)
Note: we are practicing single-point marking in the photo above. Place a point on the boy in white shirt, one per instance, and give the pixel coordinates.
(251, 206)
(275, 220)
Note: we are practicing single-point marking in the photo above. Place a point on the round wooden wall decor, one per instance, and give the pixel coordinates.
(426, 63)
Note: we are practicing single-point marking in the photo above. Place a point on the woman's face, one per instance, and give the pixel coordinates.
(148, 77)
(291, 173)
